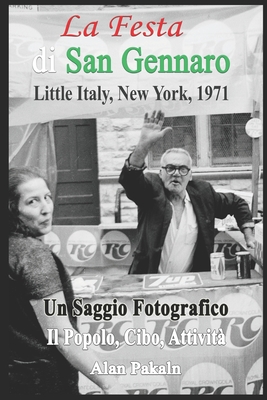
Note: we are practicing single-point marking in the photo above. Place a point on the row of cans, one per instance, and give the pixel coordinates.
(243, 265)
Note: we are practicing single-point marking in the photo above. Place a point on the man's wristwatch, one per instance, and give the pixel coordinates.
(131, 167)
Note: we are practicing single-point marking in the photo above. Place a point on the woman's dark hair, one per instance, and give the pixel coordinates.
(17, 176)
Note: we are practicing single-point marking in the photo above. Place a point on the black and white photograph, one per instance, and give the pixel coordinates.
(135, 200)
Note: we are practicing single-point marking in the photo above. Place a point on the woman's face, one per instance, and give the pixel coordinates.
(36, 206)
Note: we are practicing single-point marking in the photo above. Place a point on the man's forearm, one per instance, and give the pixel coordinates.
(138, 156)
(249, 237)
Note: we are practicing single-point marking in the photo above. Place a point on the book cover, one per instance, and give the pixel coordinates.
(81, 79)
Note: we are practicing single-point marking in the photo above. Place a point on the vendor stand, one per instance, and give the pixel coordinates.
(98, 258)
(232, 367)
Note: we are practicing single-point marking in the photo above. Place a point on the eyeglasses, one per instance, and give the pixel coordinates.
(171, 169)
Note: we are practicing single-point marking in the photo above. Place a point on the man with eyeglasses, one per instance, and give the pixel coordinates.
(176, 214)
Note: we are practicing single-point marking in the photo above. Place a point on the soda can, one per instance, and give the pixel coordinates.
(243, 264)
(217, 264)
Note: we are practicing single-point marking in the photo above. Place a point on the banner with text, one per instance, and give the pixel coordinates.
(184, 60)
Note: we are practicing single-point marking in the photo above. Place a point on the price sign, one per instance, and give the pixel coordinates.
(254, 128)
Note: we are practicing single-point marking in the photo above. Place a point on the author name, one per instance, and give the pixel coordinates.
(136, 367)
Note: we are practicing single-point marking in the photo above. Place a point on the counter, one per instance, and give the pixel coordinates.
(197, 335)
(200, 349)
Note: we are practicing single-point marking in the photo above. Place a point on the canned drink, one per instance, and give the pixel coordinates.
(243, 264)
(217, 264)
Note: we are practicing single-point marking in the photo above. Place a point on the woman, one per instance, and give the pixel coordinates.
(35, 274)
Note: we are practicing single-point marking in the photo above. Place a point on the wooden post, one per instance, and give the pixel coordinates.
(255, 174)
(255, 168)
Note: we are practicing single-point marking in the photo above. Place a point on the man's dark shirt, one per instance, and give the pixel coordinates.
(155, 213)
